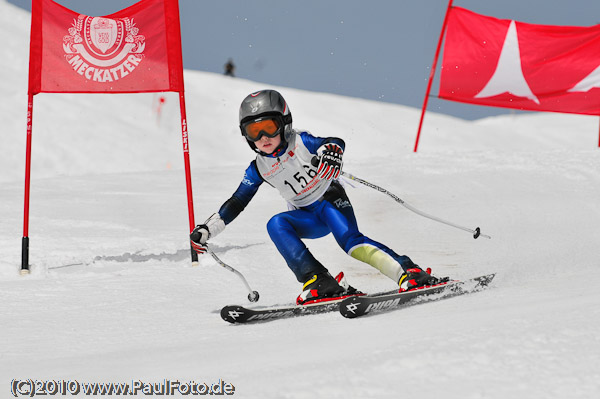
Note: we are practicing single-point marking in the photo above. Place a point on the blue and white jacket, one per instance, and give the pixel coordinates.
(289, 170)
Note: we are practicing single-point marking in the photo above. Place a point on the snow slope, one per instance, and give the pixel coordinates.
(113, 298)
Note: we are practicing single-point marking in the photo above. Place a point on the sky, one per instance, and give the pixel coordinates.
(378, 50)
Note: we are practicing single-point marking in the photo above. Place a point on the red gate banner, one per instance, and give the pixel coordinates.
(504, 63)
(137, 49)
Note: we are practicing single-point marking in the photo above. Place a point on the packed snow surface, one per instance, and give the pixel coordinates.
(113, 297)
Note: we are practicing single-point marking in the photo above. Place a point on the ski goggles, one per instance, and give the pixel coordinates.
(255, 129)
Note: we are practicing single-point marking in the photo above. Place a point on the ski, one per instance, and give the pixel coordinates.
(358, 306)
(354, 305)
(240, 314)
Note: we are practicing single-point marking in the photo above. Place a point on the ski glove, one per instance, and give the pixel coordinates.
(330, 166)
(200, 235)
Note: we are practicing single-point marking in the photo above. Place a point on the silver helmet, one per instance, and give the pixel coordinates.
(266, 103)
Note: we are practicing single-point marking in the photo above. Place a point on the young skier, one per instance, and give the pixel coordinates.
(285, 160)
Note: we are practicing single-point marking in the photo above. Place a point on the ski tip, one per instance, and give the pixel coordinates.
(485, 280)
(232, 314)
(351, 307)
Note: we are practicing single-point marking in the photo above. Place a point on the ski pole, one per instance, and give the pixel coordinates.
(476, 233)
(253, 295)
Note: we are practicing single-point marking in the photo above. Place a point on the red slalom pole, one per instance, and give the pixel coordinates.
(431, 74)
(25, 240)
(188, 173)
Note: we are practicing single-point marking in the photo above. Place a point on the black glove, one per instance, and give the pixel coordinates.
(331, 162)
(198, 238)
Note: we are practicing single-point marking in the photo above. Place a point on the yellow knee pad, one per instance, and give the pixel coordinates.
(377, 258)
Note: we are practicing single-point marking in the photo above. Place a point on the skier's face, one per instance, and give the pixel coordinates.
(268, 144)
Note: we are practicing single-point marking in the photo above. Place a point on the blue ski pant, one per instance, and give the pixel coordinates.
(332, 214)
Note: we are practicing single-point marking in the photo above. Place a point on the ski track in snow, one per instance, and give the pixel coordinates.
(113, 297)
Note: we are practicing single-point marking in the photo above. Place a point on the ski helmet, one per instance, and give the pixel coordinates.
(266, 104)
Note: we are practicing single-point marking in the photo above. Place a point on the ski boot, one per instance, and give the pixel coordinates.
(415, 278)
(323, 287)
